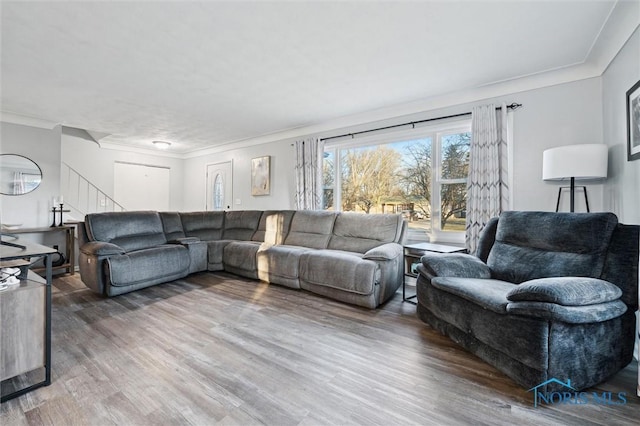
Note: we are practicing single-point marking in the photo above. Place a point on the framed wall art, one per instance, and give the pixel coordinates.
(260, 175)
(633, 122)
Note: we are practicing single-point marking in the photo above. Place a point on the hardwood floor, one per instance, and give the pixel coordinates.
(218, 349)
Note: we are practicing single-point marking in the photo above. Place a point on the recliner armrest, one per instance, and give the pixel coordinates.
(99, 248)
(598, 312)
(566, 291)
(388, 251)
(458, 265)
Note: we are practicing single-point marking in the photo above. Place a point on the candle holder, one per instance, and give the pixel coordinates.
(54, 210)
(61, 213)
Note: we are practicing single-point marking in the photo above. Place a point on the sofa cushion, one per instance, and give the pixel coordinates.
(241, 225)
(170, 261)
(550, 244)
(215, 254)
(172, 225)
(241, 255)
(129, 230)
(311, 228)
(488, 294)
(207, 226)
(344, 271)
(273, 227)
(280, 264)
(567, 291)
(361, 232)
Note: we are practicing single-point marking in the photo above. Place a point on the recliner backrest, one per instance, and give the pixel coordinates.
(621, 264)
(130, 230)
(359, 232)
(273, 227)
(208, 226)
(172, 225)
(311, 228)
(530, 245)
(241, 224)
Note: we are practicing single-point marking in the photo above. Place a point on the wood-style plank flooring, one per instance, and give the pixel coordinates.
(218, 349)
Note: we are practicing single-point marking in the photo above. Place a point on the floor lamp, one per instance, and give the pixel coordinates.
(575, 162)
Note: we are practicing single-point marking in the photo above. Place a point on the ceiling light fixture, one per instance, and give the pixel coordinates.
(162, 144)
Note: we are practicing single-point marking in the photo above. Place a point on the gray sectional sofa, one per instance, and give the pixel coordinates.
(354, 258)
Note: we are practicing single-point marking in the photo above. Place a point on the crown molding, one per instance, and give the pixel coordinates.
(619, 27)
(25, 120)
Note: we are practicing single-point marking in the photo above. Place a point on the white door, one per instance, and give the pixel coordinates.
(141, 187)
(219, 186)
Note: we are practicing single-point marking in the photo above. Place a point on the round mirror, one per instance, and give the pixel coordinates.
(18, 175)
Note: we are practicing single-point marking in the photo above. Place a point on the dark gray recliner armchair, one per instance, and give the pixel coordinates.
(547, 295)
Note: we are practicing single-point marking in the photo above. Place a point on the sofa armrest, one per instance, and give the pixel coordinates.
(566, 291)
(457, 265)
(387, 251)
(99, 248)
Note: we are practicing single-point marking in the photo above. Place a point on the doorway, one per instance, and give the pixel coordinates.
(220, 186)
(141, 186)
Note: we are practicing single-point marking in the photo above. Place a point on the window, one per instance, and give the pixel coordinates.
(421, 173)
(218, 193)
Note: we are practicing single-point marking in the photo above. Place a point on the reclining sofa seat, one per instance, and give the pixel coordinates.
(547, 295)
(309, 230)
(362, 262)
(127, 251)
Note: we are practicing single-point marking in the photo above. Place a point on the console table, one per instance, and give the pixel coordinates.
(69, 264)
(413, 252)
(25, 318)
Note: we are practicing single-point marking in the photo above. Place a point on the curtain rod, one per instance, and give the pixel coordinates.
(513, 106)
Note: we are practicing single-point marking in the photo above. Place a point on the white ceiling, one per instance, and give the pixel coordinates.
(201, 74)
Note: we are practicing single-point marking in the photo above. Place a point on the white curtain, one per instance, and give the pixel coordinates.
(487, 186)
(309, 154)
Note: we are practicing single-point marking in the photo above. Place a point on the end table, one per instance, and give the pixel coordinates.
(413, 252)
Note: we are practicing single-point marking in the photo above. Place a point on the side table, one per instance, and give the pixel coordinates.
(25, 319)
(69, 266)
(413, 252)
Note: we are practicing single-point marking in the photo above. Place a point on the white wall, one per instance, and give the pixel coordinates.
(282, 177)
(43, 147)
(623, 185)
(97, 164)
(565, 114)
(622, 188)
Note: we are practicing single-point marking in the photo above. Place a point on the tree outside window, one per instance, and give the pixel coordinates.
(418, 177)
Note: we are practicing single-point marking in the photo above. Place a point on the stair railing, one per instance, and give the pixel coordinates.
(83, 197)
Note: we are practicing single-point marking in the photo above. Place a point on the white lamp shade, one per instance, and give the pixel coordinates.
(586, 161)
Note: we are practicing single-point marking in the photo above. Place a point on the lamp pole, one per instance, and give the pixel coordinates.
(572, 195)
